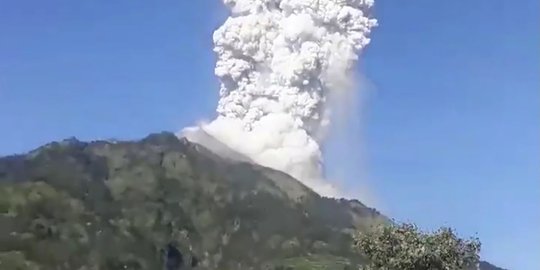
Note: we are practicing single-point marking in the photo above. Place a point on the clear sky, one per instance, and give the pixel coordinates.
(449, 132)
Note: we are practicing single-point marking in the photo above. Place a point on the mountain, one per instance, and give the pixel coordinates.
(489, 266)
(166, 203)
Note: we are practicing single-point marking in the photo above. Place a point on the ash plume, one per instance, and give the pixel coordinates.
(280, 62)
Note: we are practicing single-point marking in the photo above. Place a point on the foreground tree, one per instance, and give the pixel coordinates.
(405, 247)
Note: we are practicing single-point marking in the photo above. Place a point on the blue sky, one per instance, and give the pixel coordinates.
(448, 132)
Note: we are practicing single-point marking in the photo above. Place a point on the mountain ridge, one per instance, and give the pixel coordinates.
(108, 204)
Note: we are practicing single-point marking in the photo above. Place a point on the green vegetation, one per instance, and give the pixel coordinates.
(124, 205)
(404, 247)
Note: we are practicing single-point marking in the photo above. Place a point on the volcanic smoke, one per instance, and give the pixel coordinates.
(279, 63)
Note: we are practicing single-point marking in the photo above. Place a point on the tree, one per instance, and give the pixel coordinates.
(405, 247)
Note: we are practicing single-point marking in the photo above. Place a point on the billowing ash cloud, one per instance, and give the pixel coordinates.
(279, 62)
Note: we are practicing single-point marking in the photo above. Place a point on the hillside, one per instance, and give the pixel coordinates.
(166, 203)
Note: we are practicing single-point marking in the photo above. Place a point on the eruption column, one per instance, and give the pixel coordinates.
(279, 61)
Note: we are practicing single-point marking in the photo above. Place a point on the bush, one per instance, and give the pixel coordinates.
(405, 247)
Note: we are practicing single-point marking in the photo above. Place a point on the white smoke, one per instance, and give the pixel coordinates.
(279, 63)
